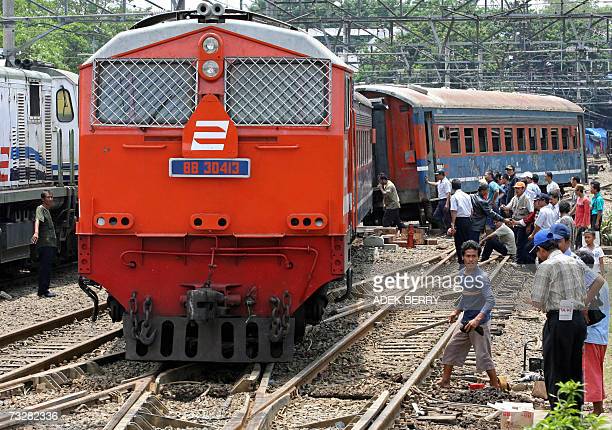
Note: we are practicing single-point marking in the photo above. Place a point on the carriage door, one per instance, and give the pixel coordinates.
(431, 149)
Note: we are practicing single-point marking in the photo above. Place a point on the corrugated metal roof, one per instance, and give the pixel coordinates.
(453, 98)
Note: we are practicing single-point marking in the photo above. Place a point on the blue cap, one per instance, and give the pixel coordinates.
(561, 230)
(542, 196)
(542, 237)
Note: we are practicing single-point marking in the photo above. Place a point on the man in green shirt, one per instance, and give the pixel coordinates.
(46, 243)
(391, 203)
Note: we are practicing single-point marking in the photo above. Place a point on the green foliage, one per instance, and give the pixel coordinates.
(566, 415)
(68, 44)
(605, 230)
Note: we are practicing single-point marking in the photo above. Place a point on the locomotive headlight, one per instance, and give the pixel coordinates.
(210, 68)
(210, 45)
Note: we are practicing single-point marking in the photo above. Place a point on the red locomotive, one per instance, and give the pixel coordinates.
(225, 162)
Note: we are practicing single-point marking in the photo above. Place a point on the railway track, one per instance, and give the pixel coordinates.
(36, 347)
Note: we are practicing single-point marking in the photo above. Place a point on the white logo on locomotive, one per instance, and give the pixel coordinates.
(209, 135)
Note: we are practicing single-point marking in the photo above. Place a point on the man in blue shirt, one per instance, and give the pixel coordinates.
(597, 206)
(476, 303)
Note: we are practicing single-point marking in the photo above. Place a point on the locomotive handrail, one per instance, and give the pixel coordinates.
(230, 252)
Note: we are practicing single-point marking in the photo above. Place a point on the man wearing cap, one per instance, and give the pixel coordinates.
(532, 190)
(391, 203)
(558, 290)
(481, 211)
(546, 216)
(520, 206)
(461, 212)
(512, 180)
(442, 211)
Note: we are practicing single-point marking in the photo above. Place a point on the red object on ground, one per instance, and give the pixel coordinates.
(476, 386)
(410, 238)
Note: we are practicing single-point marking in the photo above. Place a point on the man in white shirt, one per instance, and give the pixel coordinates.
(461, 212)
(551, 185)
(532, 189)
(442, 212)
(546, 216)
(554, 203)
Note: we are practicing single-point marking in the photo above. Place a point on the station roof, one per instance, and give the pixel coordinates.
(448, 98)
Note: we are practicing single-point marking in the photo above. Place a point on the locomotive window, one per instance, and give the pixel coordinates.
(468, 136)
(508, 139)
(565, 138)
(482, 140)
(144, 92)
(554, 137)
(34, 89)
(496, 140)
(532, 139)
(520, 137)
(544, 139)
(454, 141)
(63, 106)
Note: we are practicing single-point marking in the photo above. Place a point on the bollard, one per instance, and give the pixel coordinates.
(410, 237)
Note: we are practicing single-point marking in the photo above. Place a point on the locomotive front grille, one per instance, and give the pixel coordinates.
(143, 92)
(278, 91)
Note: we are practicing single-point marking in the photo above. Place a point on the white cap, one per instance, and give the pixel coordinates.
(527, 175)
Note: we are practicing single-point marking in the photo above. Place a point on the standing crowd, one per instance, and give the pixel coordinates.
(509, 210)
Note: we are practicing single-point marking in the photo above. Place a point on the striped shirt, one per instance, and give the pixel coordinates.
(559, 278)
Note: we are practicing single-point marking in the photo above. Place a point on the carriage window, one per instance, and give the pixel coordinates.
(454, 141)
(468, 136)
(520, 136)
(441, 133)
(482, 140)
(508, 139)
(554, 137)
(544, 139)
(532, 139)
(63, 106)
(565, 138)
(495, 140)
(575, 139)
(34, 98)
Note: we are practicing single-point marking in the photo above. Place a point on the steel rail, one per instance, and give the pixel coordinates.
(51, 324)
(67, 353)
(314, 368)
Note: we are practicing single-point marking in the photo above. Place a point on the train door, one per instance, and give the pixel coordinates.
(431, 149)
(582, 146)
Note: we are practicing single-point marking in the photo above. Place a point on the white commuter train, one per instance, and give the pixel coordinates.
(38, 151)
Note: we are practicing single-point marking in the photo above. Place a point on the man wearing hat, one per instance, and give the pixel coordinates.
(546, 216)
(520, 206)
(558, 290)
(532, 190)
(442, 211)
(512, 180)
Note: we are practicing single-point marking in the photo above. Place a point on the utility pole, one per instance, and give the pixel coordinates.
(8, 9)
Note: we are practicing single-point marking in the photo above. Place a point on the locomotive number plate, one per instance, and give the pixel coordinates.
(210, 167)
